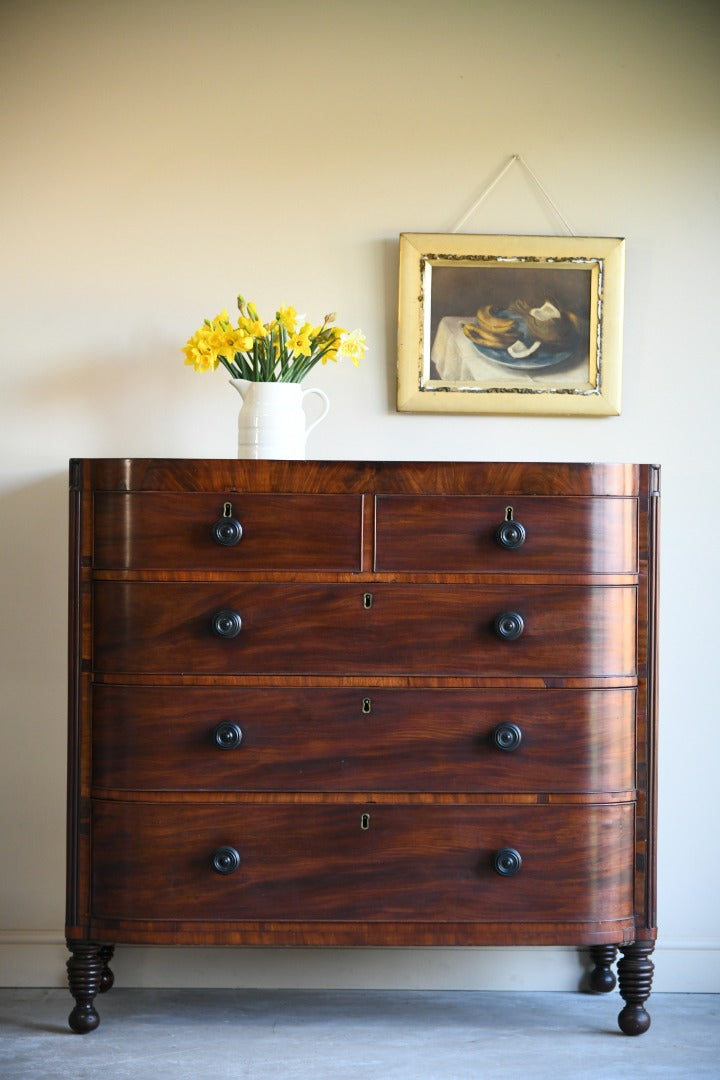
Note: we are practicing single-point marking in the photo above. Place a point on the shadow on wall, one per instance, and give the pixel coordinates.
(33, 618)
(390, 259)
(33, 648)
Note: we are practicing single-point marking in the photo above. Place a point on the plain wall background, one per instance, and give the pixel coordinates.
(161, 156)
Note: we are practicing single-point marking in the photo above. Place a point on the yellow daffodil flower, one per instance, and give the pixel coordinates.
(253, 328)
(353, 346)
(235, 341)
(300, 341)
(287, 317)
(198, 354)
(215, 340)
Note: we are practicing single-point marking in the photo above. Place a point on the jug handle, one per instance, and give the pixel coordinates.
(326, 407)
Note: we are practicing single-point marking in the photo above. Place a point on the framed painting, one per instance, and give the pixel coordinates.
(510, 324)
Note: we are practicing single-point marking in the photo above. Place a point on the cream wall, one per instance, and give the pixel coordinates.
(159, 157)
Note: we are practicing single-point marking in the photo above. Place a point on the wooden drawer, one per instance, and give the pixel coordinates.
(458, 534)
(317, 739)
(429, 863)
(396, 629)
(279, 532)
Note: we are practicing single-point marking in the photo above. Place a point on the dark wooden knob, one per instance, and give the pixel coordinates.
(507, 736)
(225, 860)
(227, 735)
(227, 531)
(226, 623)
(507, 861)
(510, 535)
(509, 625)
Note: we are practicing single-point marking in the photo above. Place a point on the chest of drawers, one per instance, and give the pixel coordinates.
(335, 703)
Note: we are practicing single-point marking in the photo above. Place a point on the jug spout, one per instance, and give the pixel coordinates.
(241, 385)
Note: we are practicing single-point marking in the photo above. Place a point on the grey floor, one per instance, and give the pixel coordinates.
(363, 1035)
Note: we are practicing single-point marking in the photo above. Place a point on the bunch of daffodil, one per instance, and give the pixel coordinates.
(283, 350)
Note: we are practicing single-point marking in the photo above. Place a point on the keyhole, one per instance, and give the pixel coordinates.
(227, 510)
(508, 513)
(366, 705)
(367, 600)
(364, 822)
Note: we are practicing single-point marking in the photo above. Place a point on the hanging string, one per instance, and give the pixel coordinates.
(493, 183)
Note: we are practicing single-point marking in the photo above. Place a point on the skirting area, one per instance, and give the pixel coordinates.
(355, 1035)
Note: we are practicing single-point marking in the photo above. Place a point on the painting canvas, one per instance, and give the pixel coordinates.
(510, 324)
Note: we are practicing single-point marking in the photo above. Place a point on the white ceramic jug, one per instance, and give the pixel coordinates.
(272, 422)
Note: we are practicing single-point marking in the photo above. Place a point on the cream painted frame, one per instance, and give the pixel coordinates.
(601, 259)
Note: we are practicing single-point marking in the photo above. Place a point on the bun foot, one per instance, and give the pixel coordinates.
(83, 1019)
(634, 1020)
(635, 972)
(107, 979)
(85, 971)
(602, 979)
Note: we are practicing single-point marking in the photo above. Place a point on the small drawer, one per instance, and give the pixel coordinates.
(228, 532)
(362, 862)
(444, 630)
(449, 533)
(314, 739)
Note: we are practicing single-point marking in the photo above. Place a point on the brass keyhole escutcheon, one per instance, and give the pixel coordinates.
(367, 705)
(364, 822)
(367, 600)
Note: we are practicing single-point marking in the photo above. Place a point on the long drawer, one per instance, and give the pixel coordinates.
(314, 739)
(550, 535)
(367, 863)
(449, 630)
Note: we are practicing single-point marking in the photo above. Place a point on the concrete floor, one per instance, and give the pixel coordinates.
(355, 1035)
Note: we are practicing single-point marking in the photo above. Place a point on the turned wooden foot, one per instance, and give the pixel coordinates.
(635, 972)
(602, 978)
(106, 978)
(84, 968)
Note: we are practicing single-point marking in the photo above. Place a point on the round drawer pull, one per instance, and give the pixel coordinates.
(226, 623)
(507, 861)
(510, 534)
(227, 735)
(225, 860)
(509, 625)
(227, 531)
(507, 736)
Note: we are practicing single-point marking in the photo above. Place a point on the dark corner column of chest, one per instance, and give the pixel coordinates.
(647, 707)
(635, 967)
(87, 968)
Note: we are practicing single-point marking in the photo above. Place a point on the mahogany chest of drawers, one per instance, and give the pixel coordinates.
(334, 703)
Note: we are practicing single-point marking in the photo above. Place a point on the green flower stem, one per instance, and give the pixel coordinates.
(282, 349)
(230, 367)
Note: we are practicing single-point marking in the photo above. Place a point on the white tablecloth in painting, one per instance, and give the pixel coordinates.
(458, 360)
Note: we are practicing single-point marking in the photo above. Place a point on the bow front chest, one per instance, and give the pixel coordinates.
(334, 703)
